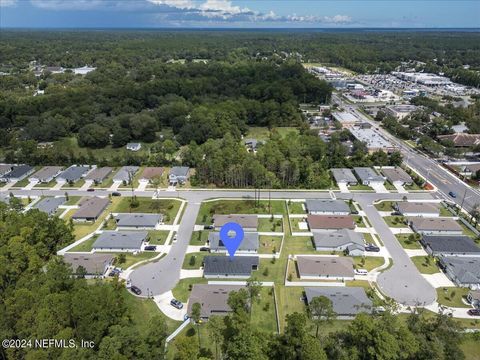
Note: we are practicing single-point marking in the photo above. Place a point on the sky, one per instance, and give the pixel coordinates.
(239, 14)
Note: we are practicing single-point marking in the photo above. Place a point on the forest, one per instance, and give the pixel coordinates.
(39, 299)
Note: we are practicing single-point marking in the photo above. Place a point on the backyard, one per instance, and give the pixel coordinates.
(269, 244)
(270, 225)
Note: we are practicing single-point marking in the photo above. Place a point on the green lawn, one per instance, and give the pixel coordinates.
(295, 207)
(85, 246)
(389, 186)
(226, 207)
(298, 245)
(425, 264)
(471, 347)
(46, 185)
(182, 290)
(269, 244)
(444, 211)
(131, 259)
(168, 207)
(158, 237)
(73, 200)
(263, 311)
(263, 133)
(395, 221)
(452, 296)
(289, 300)
(404, 240)
(385, 206)
(268, 271)
(197, 261)
(368, 262)
(360, 187)
(359, 221)
(270, 225)
(199, 238)
(295, 227)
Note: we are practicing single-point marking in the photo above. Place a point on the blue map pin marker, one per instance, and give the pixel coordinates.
(231, 242)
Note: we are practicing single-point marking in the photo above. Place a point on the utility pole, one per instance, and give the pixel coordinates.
(463, 200)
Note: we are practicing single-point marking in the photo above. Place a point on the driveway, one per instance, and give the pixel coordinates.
(379, 188)
(402, 281)
(163, 303)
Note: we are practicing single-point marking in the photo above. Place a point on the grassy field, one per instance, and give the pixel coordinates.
(270, 225)
(404, 240)
(263, 133)
(85, 246)
(425, 264)
(368, 262)
(168, 207)
(289, 300)
(264, 316)
(452, 296)
(296, 208)
(158, 237)
(199, 238)
(471, 347)
(269, 271)
(131, 259)
(183, 288)
(385, 206)
(226, 207)
(269, 244)
(298, 245)
(395, 221)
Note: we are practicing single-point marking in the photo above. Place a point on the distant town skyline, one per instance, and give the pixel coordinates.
(238, 14)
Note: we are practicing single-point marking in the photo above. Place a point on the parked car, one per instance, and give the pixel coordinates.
(116, 193)
(204, 248)
(150, 248)
(175, 237)
(361, 272)
(114, 272)
(90, 190)
(136, 290)
(372, 248)
(208, 227)
(474, 312)
(176, 304)
(452, 194)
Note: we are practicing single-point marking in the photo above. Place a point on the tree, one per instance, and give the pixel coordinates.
(253, 287)
(196, 315)
(186, 349)
(94, 136)
(216, 327)
(321, 310)
(121, 258)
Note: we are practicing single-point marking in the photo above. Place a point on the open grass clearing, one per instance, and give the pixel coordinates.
(168, 207)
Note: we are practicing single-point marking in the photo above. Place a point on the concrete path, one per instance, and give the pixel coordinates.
(30, 185)
(58, 185)
(343, 188)
(402, 281)
(379, 188)
(7, 186)
(438, 280)
(115, 186)
(400, 188)
(142, 186)
(416, 252)
(194, 273)
(87, 184)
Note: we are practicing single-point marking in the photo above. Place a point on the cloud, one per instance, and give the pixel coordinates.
(68, 4)
(337, 19)
(7, 3)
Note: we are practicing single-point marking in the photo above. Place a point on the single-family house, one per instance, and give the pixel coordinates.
(462, 139)
(212, 298)
(330, 222)
(5, 169)
(344, 176)
(90, 209)
(89, 265)
(150, 173)
(126, 174)
(368, 176)
(72, 174)
(397, 176)
(342, 240)
(325, 268)
(178, 175)
(46, 174)
(463, 271)
(249, 223)
(446, 245)
(238, 267)
(473, 297)
(327, 207)
(435, 226)
(49, 205)
(249, 243)
(346, 301)
(19, 172)
(414, 209)
(138, 220)
(84, 70)
(252, 144)
(123, 241)
(134, 146)
(98, 175)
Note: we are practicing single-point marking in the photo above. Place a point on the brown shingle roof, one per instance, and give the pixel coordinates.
(91, 208)
(337, 266)
(245, 221)
(462, 139)
(330, 222)
(417, 207)
(433, 224)
(151, 172)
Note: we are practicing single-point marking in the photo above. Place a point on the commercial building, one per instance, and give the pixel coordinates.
(90, 209)
(445, 245)
(397, 176)
(327, 207)
(435, 226)
(49, 205)
(347, 119)
(238, 267)
(400, 111)
(46, 174)
(330, 222)
(138, 220)
(368, 176)
(346, 301)
(249, 243)
(342, 240)
(463, 271)
(344, 176)
(122, 241)
(325, 268)
(89, 265)
(372, 139)
(247, 222)
(413, 209)
(213, 299)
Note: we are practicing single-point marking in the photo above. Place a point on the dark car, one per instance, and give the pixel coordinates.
(452, 194)
(136, 290)
(474, 312)
(150, 248)
(90, 190)
(208, 227)
(204, 248)
(372, 248)
(116, 193)
(114, 272)
(176, 304)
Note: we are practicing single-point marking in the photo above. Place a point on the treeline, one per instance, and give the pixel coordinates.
(198, 101)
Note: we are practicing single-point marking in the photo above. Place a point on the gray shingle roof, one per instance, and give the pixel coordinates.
(346, 301)
(138, 219)
(344, 175)
(249, 242)
(450, 244)
(73, 173)
(397, 174)
(327, 205)
(368, 174)
(224, 265)
(91, 208)
(94, 264)
(434, 224)
(46, 173)
(417, 207)
(179, 171)
(19, 171)
(120, 240)
(465, 269)
(212, 298)
(50, 204)
(99, 174)
(337, 239)
(123, 173)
